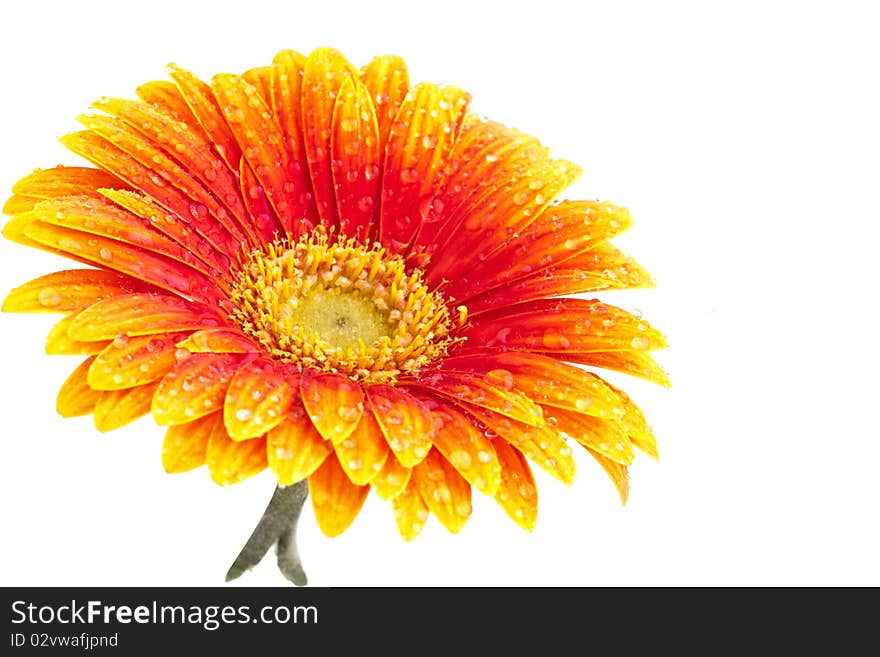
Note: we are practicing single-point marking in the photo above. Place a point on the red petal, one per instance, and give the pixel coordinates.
(219, 341)
(419, 147)
(129, 362)
(63, 291)
(325, 71)
(387, 79)
(356, 160)
(66, 181)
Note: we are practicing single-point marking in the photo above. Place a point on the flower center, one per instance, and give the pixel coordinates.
(338, 306)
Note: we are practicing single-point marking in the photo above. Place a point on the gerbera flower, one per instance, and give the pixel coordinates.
(343, 278)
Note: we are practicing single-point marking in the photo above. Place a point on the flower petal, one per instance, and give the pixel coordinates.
(75, 396)
(636, 363)
(335, 500)
(140, 314)
(392, 479)
(560, 233)
(488, 391)
(59, 342)
(387, 79)
(517, 494)
(192, 151)
(417, 156)
(219, 341)
(262, 143)
(204, 107)
(325, 71)
(194, 388)
(465, 447)
(165, 97)
(405, 422)
(295, 448)
(616, 471)
(116, 408)
(66, 181)
(260, 77)
(363, 454)
(265, 221)
(445, 492)
(288, 68)
(107, 253)
(230, 461)
(636, 426)
(258, 398)
(72, 289)
(410, 512)
(545, 380)
(563, 327)
(356, 160)
(603, 436)
(601, 268)
(129, 362)
(186, 445)
(334, 403)
(542, 444)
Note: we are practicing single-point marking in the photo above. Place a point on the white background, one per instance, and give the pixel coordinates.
(744, 137)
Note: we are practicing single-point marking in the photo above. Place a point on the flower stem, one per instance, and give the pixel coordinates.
(276, 527)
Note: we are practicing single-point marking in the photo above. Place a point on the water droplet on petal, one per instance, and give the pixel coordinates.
(49, 297)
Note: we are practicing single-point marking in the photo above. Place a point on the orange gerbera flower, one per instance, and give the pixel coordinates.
(351, 281)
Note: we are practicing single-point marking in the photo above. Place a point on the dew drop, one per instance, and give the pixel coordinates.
(49, 297)
(640, 342)
(461, 459)
(106, 254)
(243, 415)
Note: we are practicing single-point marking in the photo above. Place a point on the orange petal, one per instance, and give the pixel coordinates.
(72, 289)
(517, 494)
(601, 268)
(417, 156)
(231, 461)
(363, 454)
(563, 327)
(410, 512)
(107, 253)
(258, 206)
(262, 143)
(174, 227)
(616, 471)
(258, 398)
(192, 151)
(485, 390)
(560, 233)
(604, 436)
(194, 388)
(325, 71)
(140, 314)
(295, 448)
(334, 403)
(405, 421)
(219, 341)
(506, 211)
(116, 408)
(129, 362)
(392, 479)
(66, 181)
(18, 204)
(186, 445)
(445, 492)
(260, 77)
(465, 447)
(335, 500)
(635, 363)
(286, 85)
(157, 178)
(541, 444)
(545, 380)
(356, 160)
(387, 79)
(165, 97)
(636, 426)
(204, 107)
(59, 343)
(75, 396)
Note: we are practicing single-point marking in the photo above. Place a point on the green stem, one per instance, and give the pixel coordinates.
(276, 527)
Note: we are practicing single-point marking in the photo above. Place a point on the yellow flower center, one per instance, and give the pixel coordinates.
(339, 306)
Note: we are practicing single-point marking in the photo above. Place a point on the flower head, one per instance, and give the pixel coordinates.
(343, 278)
